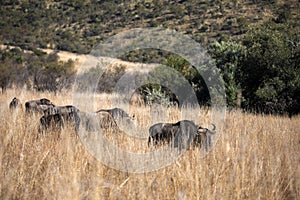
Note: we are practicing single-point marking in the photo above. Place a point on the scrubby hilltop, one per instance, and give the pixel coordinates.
(77, 26)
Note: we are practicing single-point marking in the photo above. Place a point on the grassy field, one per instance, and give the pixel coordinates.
(256, 157)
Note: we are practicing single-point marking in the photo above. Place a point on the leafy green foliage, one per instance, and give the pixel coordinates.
(265, 67)
(227, 56)
(55, 76)
(162, 85)
(191, 75)
(169, 80)
(109, 79)
(156, 94)
(85, 82)
(270, 70)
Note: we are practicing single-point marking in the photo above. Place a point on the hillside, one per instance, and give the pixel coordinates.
(85, 61)
(77, 26)
(254, 44)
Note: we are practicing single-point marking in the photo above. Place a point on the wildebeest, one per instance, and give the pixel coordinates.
(51, 121)
(61, 110)
(15, 104)
(180, 134)
(93, 121)
(160, 133)
(115, 113)
(120, 116)
(137, 99)
(39, 105)
(59, 116)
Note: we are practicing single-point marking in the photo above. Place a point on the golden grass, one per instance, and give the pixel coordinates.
(256, 157)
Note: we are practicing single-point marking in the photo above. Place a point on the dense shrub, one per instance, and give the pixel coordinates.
(37, 70)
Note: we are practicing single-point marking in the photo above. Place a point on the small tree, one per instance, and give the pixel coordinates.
(47, 73)
(163, 85)
(55, 76)
(10, 66)
(227, 56)
(192, 76)
(109, 78)
(5, 76)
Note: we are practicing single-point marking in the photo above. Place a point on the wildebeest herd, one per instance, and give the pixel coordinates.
(182, 134)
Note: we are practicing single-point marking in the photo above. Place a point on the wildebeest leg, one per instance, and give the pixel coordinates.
(27, 105)
(149, 141)
(76, 122)
(208, 145)
(203, 140)
(156, 139)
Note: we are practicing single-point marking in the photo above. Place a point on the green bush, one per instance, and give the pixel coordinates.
(270, 71)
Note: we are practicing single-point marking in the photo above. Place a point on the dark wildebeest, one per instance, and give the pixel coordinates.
(51, 121)
(15, 104)
(59, 116)
(61, 110)
(38, 105)
(160, 133)
(180, 134)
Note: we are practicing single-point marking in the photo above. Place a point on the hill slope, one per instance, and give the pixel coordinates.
(79, 25)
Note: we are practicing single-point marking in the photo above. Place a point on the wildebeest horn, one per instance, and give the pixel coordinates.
(213, 130)
(214, 127)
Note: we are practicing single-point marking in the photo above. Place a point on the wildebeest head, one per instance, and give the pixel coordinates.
(45, 101)
(206, 130)
(203, 137)
(38, 105)
(15, 103)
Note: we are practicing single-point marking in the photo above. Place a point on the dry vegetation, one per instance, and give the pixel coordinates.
(256, 157)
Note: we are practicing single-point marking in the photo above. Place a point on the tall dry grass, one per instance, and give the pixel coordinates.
(256, 157)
